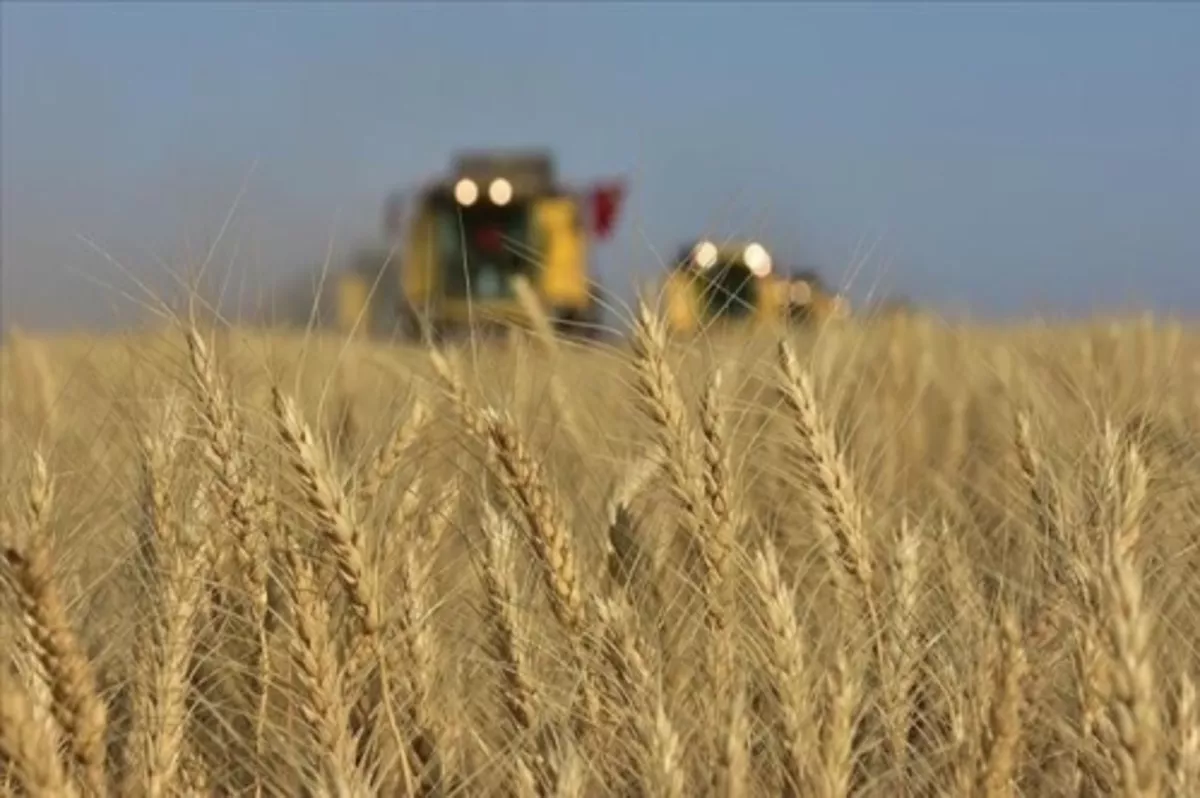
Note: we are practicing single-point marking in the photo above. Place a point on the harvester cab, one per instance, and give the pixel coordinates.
(499, 216)
(716, 284)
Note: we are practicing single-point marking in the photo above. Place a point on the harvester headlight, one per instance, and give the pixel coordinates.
(800, 293)
(466, 192)
(757, 259)
(500, 191)
(705, 254)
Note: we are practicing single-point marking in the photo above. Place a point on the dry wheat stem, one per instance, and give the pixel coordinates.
(718, 482)
(627, 557)
(1044, 652)
(840, 510)
(246, 503)
(899, 678)
(1004, 727)
(1048, 504)
(389, 457)
(520, 696)
(26, 655)
(837, 740)
(662, 402)
(786, 667)
(28, 744)
(734, 766)
(540, 508)
(545, 516)
(837, 501)
(666, 755)
(542, 511)
(78, 707)
(328, 502)
(1185, 775)
(157, 741)
(235, 478)
(341, 533)
(699, 480)
(158, 456)
(717, 533)
(41, 492)
(414, 658)
(1133, 707)
(626, 652)
(963, 753)
(324, 703)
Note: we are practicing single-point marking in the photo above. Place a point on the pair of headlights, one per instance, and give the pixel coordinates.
(466, 192)
(706, 254)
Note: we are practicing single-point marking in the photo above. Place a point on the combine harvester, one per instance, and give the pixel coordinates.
(461, 241)
(737, 285)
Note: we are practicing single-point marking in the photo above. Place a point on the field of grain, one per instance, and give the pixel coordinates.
(880, 559)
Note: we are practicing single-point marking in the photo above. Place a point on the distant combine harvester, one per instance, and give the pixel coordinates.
(738, 284)
(456, 244)
(475, 248)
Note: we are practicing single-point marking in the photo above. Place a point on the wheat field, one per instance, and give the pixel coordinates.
(887, 558)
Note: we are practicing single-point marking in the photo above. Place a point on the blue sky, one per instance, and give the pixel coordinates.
(1000, 158)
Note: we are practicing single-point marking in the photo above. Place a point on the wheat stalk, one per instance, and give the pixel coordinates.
(78, 707)
(27, 742)
(786, 665)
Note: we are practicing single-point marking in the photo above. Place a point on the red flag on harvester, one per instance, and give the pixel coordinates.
(606, 200)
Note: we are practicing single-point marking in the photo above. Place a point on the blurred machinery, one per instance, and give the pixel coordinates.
(459, 240)
(809, 299)
(734, 284)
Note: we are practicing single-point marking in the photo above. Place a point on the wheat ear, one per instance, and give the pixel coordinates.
(27, 743)
(78, 707)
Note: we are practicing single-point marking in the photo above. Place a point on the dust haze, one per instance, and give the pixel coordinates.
(108, 258)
